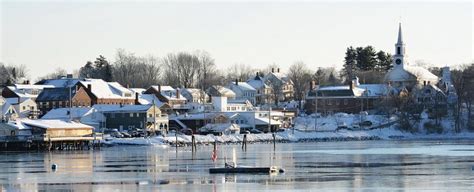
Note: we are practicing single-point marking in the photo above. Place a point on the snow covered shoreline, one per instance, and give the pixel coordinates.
(290, 136)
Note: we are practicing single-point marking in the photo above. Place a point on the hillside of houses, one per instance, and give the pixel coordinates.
(409, 98)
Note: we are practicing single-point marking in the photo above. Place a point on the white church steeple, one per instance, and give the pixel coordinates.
(399, 57)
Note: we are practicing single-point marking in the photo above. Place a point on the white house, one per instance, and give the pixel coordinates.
(281, 85)
(194, 95)
(243, 91)
(222, 104)
(264, 92)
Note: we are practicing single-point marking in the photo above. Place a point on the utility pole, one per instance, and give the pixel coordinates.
(154, 117)
(70, 104)
(315, 110)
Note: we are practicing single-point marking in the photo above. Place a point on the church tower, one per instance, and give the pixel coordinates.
(399, 57)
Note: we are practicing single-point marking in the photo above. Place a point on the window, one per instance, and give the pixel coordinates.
(398, 50)
(131, 114)
(112, 115)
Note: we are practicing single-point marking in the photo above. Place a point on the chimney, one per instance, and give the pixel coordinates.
(278, 70)
(257, 73)
(177, 93)
(159, 88)
(136, 99)
(69, 76)
(354, 83)
(236, 82)
(273, 70)
(311, 85)
(424, 83)
(89, 86)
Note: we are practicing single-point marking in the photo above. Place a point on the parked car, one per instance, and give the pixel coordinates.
(365, 123)
(280, 130)
(187, 131)
(125, 134)
(116, 134)
(255, 131)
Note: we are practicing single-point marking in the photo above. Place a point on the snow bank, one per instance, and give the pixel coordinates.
(154, 141)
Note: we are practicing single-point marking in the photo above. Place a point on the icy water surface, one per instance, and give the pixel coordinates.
(366, 165)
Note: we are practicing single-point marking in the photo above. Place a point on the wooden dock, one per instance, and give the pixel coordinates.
(266, 170)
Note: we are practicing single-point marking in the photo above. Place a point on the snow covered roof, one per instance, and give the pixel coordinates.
(66, 82)
(280, 76)
(265, 121)
(217, 90)
(374, 90)
(137, 90)
(168, 92)
(343, 90)
(28, 86)
(244, 86)
(7, 107)
(54, 124)
(192, 90)
(14, 100)
(55, 94)
(121, 108)
(257, 83)
(149, 99)
(62, 113)
(107, 90)
(28, 90)
(406, 72)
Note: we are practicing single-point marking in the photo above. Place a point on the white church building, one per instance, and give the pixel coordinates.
(423, 85)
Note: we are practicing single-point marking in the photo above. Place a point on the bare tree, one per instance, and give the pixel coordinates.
(59, 72)
(239, 72)
(181, 69)
(11, 74)
(301, 76)
(134, 71)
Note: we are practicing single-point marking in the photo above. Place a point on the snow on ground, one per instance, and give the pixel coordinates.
(304, 131)
(289, 136)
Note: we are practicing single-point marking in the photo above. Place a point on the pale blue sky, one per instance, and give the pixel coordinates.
(45, 35)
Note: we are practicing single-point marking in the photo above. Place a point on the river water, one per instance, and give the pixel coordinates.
(365, 165)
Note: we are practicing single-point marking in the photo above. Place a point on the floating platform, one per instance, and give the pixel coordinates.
(266, 170)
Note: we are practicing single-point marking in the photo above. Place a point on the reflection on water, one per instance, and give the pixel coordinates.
(391, 165)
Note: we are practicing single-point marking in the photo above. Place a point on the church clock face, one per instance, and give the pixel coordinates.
(398, 61)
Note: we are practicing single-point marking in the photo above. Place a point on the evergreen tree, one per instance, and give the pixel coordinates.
(384, 61)
(349, 63)
(366, 58)
(100, 69)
